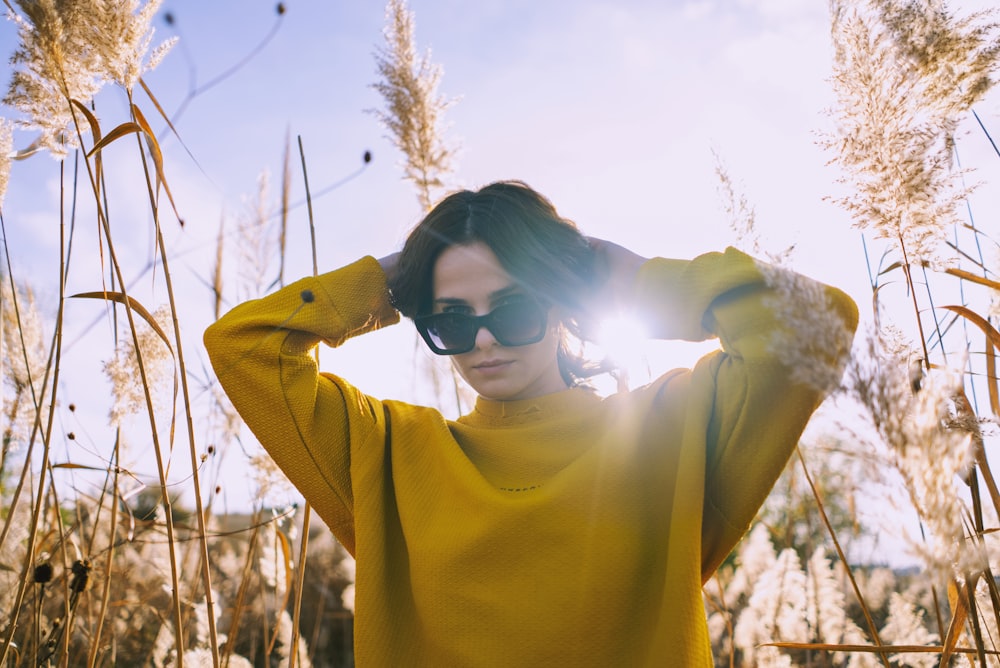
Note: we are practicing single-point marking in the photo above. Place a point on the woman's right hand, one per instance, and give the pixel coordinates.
(388, 264)
(618, 266)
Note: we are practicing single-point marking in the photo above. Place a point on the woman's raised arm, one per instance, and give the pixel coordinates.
(263, 354)
(616, 268)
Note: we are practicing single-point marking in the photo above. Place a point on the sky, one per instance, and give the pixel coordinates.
(615, 110)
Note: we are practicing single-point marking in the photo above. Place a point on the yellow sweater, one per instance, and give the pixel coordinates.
(566, 530)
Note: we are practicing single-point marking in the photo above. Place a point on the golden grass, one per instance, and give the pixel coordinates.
(115, 571)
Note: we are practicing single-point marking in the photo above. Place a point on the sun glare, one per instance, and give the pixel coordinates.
(622, 338)
(620, 335)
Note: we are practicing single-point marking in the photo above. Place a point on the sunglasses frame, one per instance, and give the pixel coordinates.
(425, 322)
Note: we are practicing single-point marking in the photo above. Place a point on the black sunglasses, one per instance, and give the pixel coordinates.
(515, 324)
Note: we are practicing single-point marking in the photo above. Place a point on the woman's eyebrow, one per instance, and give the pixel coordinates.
(493, 296)
(450, 301)
(503, 292)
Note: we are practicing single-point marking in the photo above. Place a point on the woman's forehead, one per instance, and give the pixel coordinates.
(470, 272)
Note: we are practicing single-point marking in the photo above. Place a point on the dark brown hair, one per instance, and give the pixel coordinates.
(545, 253)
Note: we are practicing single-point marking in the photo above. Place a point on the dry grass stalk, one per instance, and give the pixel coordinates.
(776, 610)
(800, 302)
(743, 218)
(68, 50)
(819, 617)
(912, 418)
(123, 37)
(907, 626)
(191, 635)
(24, 358)
(286, 189)
(257, 241)
(815, 337)
(217, 275)
(413, 110)
(53, 64)
(905, 75)
(826, 610)
(122, 370)
(45, 432)
(6, 153)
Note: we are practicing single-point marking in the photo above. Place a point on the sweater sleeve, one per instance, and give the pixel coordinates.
(262, 353)
(785, 339)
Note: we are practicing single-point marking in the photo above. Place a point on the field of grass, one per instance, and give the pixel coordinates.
(101, 566)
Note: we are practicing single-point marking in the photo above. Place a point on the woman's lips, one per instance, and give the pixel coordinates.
(492, 366)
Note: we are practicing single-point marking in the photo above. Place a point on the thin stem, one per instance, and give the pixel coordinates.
(241, 592)
(286, 184)
(299, 586)
(977, 631)
(109, 561)
(872, 629)
(37, 642)
(913, 297)
(56, 506)
(307, 511)
(14, 408)
(206, 573)
(192, 446)
(105, 226)
(312, 225)
(53, 366)
(986, 132)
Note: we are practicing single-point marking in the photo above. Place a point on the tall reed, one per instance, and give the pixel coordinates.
(123, 574)
(923, 381)
(112, 567)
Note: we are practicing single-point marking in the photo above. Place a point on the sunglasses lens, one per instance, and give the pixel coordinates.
(515, 324)
(451, 332)
(518, 324)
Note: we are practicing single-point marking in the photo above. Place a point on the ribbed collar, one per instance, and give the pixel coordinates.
(529, 410)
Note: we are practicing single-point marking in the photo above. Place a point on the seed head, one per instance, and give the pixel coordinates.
(408, 85)
(6, 150)
(68, 50)
(43, 573)
(905, 75)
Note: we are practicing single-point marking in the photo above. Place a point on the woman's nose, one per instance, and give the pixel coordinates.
(485, 338)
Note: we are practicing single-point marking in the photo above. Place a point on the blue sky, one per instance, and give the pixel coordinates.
(612, 109)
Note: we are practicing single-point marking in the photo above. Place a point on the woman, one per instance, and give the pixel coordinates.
(549, 526)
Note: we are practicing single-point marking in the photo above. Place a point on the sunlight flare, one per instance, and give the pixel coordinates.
(621, 336)
(621, 339)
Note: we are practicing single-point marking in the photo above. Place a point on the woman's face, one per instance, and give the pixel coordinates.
(469, 279)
